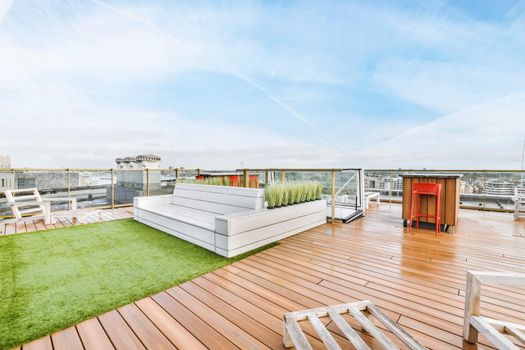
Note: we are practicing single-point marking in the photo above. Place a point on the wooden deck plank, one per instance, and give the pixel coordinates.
(40, 344)
(202, 331)
(171, 329)
(67, 339)
(145, 330)
(229, 329)
(119, 332)
(91, 216)
(415, 278)
(249, 325)
(93, 335)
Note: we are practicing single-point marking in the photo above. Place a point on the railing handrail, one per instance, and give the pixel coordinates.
(450, 170)
(96, 169)
(274, 169)
(298, 169)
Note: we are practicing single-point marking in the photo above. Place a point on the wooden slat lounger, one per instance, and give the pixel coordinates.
(361, 311)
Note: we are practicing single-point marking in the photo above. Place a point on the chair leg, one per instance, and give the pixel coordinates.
(411, 213)
(438, 213)
(418, 210)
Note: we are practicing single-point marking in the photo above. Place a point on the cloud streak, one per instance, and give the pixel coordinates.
(302, 84)
(244, 77)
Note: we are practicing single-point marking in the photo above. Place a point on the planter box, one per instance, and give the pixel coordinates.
(241, 232)
(226, 220)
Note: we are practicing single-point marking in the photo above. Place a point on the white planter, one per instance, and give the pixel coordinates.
(240, 232)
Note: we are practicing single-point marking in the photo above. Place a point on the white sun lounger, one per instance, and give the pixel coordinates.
(27, 204)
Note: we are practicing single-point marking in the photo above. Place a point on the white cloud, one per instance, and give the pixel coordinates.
(439, 60)
(485, 136)
(5, 5)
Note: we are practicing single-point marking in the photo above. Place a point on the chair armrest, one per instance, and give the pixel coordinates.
(140, 201)
(25, 204)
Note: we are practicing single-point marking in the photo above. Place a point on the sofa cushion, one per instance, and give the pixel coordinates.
(190, 216)
(217, 199)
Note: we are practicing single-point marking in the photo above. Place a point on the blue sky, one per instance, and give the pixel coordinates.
(435, 84)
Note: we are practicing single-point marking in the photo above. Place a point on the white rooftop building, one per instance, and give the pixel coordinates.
(5, 162)
(133, 180)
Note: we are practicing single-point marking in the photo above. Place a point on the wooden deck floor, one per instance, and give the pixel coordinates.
(416, 279)
(90, 216)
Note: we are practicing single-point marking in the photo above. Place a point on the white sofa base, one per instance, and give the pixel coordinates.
(231, 233)
(237, 233)
(193, 234)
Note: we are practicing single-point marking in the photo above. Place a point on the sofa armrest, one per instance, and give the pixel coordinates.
(153, 200)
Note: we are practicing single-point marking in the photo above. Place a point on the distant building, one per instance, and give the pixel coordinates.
(5, 162)
(47, 181)
(384, 183)
(466, 188)
(132, 180)
(6, 177)
(500, 187)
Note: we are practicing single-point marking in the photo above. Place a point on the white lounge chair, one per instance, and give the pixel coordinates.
(519, 203)
(361, 311)
(27, 204)
(493, 330)
(372, 195)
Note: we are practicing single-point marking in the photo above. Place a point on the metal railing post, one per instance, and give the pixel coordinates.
(283, 176)
(69, 188)
(147, 182)
(484, 189)
(112, 189)
(245, 178)
(333, 196)
(390, 183)
(266, 178)
(176, 174)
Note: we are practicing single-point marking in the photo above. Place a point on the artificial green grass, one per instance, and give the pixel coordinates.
(53, 279)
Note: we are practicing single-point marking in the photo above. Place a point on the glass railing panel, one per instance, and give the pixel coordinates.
(50, 184)
(162, 182)
(490, 190)
(388, 183)
(128, 185)
(484, 189)
(7, 182)
(92, 189)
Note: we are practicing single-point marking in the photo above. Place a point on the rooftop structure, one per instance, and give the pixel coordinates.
(5, 162)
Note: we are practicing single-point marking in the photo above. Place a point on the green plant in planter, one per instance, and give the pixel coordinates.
(304, 192)
(270, 196)
(311, 191)
(318, 191)
(279, 196)
(297, 190)
(292, 193)
(285, 190)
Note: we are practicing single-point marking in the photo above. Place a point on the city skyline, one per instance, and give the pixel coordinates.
(257, 84)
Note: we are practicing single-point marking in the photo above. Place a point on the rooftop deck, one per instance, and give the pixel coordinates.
(90, 216)
(416, 278)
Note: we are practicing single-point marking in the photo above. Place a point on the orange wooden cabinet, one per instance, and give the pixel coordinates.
(450, 185)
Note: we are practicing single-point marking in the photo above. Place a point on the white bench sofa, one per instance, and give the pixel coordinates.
(226, 220)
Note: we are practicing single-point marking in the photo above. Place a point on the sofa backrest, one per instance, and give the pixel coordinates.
(217, 199)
